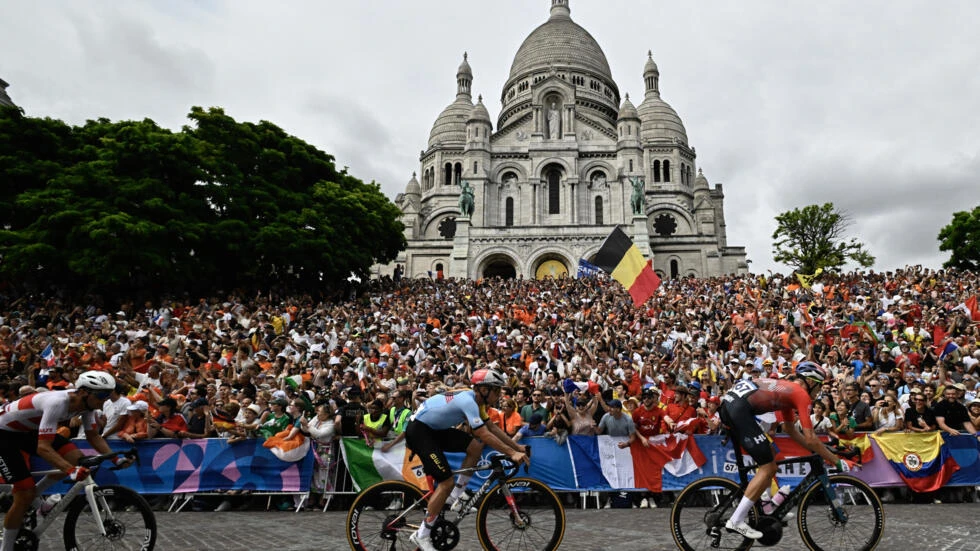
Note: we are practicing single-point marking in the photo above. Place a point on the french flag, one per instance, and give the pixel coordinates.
(48, 355)
(570, 386)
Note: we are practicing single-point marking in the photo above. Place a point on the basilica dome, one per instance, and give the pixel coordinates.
(560, 42)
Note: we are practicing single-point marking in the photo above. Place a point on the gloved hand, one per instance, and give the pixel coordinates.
(78, 473)
(122, 461)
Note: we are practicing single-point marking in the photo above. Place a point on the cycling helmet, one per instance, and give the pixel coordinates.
(96, 380)
(487, 377)
(811, 370)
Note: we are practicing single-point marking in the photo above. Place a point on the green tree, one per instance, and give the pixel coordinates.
(130, 207)
(962, 238)
(813, 237)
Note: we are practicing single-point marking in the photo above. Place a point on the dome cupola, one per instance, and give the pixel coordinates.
(450, 125)
(659, 121)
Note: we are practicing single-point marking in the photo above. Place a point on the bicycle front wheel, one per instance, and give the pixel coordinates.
(128, 520)
(537, 521)
(383, 517)
(697, 519)
(820, 528)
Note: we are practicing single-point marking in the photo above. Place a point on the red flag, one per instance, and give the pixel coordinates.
(677, 454)
(938, 335)
(971, 305)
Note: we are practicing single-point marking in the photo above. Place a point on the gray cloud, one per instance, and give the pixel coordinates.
(868, 105)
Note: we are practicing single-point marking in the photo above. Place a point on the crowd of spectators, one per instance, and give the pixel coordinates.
(580, 358)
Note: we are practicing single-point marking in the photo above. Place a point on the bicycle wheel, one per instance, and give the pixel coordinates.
(822, 531)
(373, 521)
(541, 516)
(128, 520)
(699, 513)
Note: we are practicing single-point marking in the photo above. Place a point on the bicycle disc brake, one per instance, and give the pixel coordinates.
(771, 528)
(445, 535)
(26, 541)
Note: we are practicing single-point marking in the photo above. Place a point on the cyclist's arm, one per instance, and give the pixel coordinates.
(808, 439)
(47, 453)
(97, 442)
(493, 436)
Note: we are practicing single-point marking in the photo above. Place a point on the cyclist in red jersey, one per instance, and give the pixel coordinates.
(29, 427)
(789, 400)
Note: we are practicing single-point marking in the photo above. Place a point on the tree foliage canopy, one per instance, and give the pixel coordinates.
(813, 237)
(129, 206)
(962, 238)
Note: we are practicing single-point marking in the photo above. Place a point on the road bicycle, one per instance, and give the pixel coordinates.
(834, 511)
(97, 517)
(511, 513)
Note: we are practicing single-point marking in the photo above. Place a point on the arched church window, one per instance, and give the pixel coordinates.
(509, 212)
(631, 165)
(447, 227)
(683, 174)
(476, 166)
(554, 192)
(656, 171)
(598, 211)
(448, 178)
(674, 269)
(666, 171)
(457, 173)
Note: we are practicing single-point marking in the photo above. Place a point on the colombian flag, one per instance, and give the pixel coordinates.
(923, 460)
(620, 257)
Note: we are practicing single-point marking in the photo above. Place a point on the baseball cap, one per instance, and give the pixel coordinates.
(200, 402)
(615, 404)
(138, 405)
(535, 419)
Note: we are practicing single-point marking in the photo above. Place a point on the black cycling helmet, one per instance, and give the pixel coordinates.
(812, 370)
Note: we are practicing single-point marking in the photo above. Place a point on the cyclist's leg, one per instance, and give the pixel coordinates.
(15, 470)
(747, 434)
(67, 449)
(429, 445)
(473, 451)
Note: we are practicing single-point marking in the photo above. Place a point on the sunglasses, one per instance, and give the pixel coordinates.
(103, 395)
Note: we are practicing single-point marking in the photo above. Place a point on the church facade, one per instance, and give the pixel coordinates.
(567, 161)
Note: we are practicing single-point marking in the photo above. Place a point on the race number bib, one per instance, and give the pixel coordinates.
(743, 388)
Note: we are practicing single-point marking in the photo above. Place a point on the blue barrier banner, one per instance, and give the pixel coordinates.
(585, 463)
(181, 466)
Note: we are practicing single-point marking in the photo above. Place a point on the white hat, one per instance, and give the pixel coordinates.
(138, 405)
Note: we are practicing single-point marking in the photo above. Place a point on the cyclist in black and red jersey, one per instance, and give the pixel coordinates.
(29, 426)
(790, 400)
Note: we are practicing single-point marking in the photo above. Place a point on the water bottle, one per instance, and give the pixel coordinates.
(776, 500)
(49, 503)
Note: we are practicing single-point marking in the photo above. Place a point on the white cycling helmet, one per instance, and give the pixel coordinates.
(96, 380)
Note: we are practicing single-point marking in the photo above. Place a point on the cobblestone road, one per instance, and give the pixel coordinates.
(918, 527)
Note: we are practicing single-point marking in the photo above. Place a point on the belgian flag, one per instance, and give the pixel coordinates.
(619, 257)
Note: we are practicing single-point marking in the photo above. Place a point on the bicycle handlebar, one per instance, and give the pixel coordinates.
(90, 461)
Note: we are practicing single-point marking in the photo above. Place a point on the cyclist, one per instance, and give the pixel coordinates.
(789, 400)
(29, 426)
(431, 431)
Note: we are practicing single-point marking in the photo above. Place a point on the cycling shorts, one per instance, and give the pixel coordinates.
(736, 413)
(15, 451)
(429, 444)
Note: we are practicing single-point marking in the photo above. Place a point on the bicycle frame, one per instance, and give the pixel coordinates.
(499, 474)
(817, 474)
(87, 485)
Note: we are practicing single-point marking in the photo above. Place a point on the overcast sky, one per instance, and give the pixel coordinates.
(871, 105)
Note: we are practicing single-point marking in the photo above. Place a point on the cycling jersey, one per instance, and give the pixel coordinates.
(447, 410)
(41, 413)
(788, 400)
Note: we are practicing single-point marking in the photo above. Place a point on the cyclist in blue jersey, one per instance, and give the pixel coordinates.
(432, 431)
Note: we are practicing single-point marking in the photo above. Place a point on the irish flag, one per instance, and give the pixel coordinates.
(369, 465)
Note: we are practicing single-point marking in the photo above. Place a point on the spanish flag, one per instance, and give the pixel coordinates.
(620, 257)
(922, 459)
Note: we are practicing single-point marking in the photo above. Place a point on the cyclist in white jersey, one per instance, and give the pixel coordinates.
(30, 424)
(431, 431)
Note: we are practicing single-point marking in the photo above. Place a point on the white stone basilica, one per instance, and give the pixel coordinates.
(548, 185)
